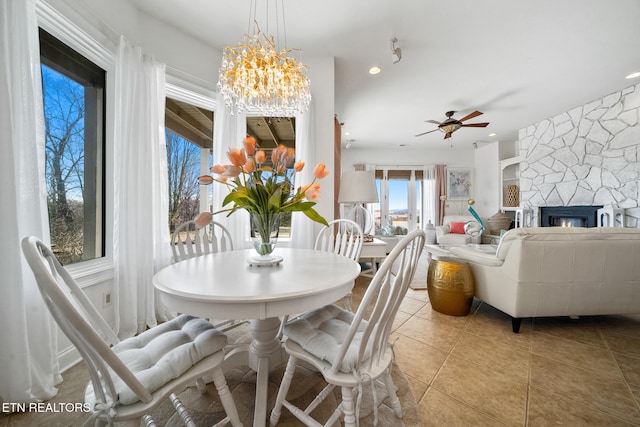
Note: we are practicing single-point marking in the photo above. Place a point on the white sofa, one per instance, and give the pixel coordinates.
(444, 237)
(556, 271)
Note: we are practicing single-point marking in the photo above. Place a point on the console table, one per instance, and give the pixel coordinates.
(375, 251)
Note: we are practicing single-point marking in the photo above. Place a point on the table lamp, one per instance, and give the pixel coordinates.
(359, 187)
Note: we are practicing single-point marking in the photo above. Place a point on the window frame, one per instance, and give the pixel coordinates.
(412, 174)
(65, 61)
(181, 90)
(99, 49)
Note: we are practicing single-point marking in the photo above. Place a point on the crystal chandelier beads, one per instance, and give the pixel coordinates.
(255, 77)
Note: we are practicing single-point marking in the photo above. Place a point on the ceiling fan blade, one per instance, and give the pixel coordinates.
(432, 121)
(424, 133)
(470, 116)
(447, 135)
(476, 125)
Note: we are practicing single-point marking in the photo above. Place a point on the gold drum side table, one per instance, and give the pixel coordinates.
(450, 286)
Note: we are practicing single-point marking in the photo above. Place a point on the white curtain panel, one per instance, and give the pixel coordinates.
(141, 228)
(28, 361)
(229, 131)
(302, 228)
(429, 203)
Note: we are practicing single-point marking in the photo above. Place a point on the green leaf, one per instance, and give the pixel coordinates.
(315, 216)
(298, 207)
(274, 200)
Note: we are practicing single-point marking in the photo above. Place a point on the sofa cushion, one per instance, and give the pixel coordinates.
(454, 239)
(457, 227)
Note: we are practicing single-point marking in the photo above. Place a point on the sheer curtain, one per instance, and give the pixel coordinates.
(141, 199)
(441, 190)
(229, 131)
(302, 235)
(28, 361)
(431, 199)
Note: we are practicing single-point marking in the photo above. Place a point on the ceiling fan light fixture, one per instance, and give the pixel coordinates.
(450, 127)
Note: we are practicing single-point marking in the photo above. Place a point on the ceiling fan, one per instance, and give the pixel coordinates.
(450, 125)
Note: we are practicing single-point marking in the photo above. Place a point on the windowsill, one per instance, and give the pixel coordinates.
(88, 273)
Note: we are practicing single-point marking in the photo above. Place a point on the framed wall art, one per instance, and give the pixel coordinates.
(459, 183)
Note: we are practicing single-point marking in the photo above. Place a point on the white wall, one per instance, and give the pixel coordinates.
(486, 181)
(453, 157)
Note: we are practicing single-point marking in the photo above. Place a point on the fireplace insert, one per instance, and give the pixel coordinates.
(569, 216)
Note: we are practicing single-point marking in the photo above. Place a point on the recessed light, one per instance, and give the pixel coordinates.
(375, 70)
(492, 134)
(347, 133)
(633, 75)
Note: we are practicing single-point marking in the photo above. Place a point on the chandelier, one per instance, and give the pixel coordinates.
(256, 76)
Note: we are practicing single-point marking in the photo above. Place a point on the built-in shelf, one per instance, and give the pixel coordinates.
(509, 175)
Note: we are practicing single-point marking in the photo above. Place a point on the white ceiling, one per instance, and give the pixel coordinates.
(517, 61)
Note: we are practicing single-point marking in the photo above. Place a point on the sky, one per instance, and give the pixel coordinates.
(397, 193)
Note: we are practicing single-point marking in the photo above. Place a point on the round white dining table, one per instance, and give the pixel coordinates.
(225, 286)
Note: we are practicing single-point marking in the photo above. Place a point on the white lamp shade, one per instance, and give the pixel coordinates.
(358, 187)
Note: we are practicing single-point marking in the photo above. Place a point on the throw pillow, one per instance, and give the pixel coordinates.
(457, 227)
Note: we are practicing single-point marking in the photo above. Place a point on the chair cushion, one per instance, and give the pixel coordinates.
(321, 332)
(165, 352)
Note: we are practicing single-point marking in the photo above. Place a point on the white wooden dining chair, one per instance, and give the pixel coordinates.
(189, 241)
(131, 377)
(342, 237)
(351, 349)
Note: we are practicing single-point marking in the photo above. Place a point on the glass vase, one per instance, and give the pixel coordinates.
(264, 233)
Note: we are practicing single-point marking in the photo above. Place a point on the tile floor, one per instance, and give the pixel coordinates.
(474, 371)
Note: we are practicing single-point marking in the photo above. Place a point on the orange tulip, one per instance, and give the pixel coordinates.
(237, 156)
(320, 171)
(217, 169)
(278, 153)
(312, 192)
(205, 180)
(250, 145)
(231, 171)
(261, 156)
(289, 157)
(299, 165)
(203, 219)
(249, 166)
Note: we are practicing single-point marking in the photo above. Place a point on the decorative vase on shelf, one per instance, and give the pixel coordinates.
(264, 234)
(512, 196)
(499, 221)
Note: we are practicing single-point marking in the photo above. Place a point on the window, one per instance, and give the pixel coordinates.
(74, 103)
(189, 138)
(269, 132)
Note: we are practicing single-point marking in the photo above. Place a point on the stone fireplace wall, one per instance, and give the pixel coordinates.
(587, 156)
